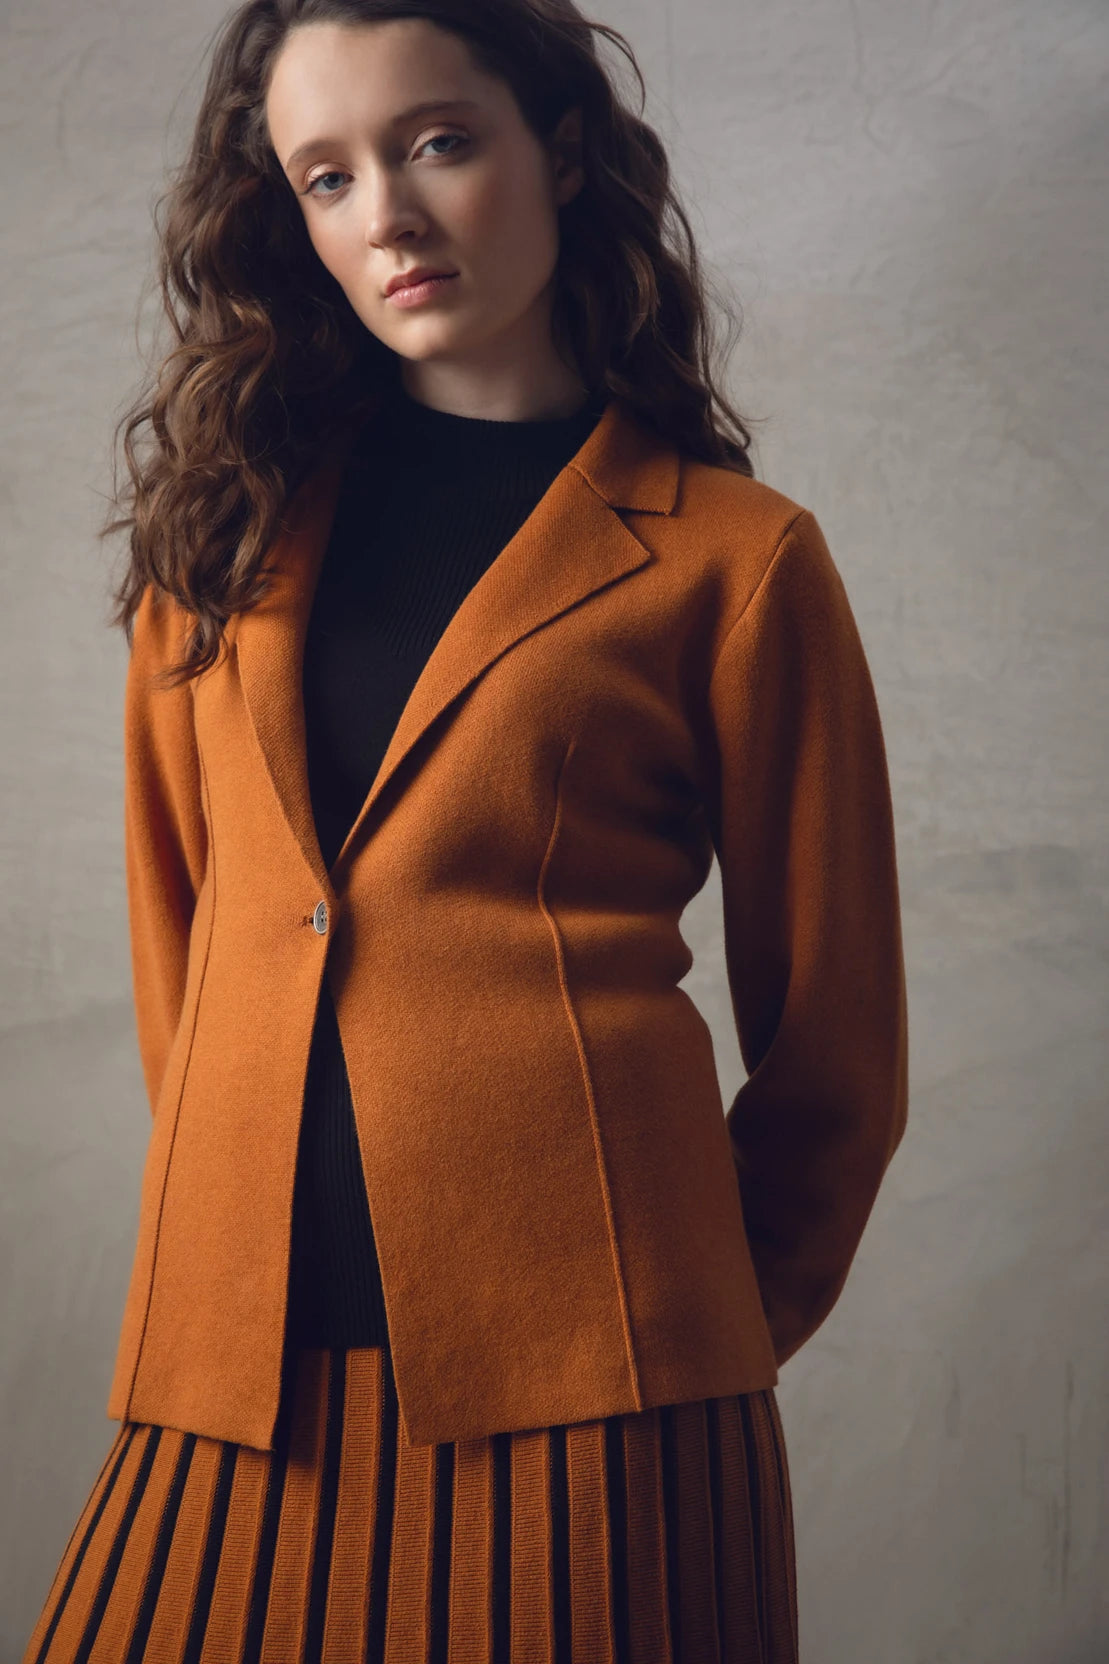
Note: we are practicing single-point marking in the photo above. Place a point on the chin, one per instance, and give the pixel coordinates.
(427, 343)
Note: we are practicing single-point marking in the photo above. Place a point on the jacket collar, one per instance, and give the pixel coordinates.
(573, 543)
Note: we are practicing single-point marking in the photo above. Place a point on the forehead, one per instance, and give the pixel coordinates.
(331, 77)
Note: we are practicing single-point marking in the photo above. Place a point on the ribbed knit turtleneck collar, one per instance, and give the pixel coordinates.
(510, 457)
(526, 438)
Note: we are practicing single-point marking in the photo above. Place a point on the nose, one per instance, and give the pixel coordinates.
(390, 209)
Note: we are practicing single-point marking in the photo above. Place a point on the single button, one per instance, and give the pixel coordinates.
(319, 917)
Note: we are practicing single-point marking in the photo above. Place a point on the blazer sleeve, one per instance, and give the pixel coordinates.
(812, 930)
(165, 833)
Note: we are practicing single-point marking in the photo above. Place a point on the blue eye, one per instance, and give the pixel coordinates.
(447, 138)
(334, 173)
(454, 140)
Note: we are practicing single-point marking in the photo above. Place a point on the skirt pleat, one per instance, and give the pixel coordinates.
(661, 1536)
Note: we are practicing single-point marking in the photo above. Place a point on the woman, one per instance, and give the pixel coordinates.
(462, 638)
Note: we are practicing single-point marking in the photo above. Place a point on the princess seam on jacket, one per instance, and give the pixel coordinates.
(210, 873)
(587, 1081)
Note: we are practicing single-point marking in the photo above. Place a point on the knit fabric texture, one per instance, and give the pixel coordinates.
(427, 502)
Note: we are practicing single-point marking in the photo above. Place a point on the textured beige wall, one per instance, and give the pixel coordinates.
(910, 200)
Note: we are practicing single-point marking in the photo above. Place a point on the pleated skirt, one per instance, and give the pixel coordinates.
(663, 1536)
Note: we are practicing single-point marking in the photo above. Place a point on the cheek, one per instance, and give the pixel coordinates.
(334, 246)
(508, 225)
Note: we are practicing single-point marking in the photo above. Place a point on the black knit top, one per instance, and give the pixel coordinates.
(427, 501)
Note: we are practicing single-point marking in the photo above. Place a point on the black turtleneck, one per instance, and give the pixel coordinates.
(427, 501)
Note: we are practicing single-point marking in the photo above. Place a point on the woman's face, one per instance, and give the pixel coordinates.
(404, 154)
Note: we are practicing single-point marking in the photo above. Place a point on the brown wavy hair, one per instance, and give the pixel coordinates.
(269, 360)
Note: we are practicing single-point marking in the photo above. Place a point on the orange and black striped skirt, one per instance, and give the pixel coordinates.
(662, 1536)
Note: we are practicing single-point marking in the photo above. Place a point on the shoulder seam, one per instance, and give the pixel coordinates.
(747, 605)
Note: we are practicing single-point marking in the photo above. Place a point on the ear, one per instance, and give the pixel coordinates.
(567, 170)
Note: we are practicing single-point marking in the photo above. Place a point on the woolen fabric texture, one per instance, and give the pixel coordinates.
(427, 501)
(660, 667)
(663, 1536)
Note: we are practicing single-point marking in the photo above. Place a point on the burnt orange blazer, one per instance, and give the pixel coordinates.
(662, 664)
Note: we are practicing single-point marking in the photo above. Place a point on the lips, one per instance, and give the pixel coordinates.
(418, 274)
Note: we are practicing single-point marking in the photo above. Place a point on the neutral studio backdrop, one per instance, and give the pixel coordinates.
(910, 203)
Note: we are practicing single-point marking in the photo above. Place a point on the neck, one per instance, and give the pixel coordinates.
(506, 392)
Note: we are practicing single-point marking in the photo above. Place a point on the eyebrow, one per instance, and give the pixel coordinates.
(428, 107)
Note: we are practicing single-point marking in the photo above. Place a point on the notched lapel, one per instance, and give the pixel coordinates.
(572, 544)
(269, 640)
